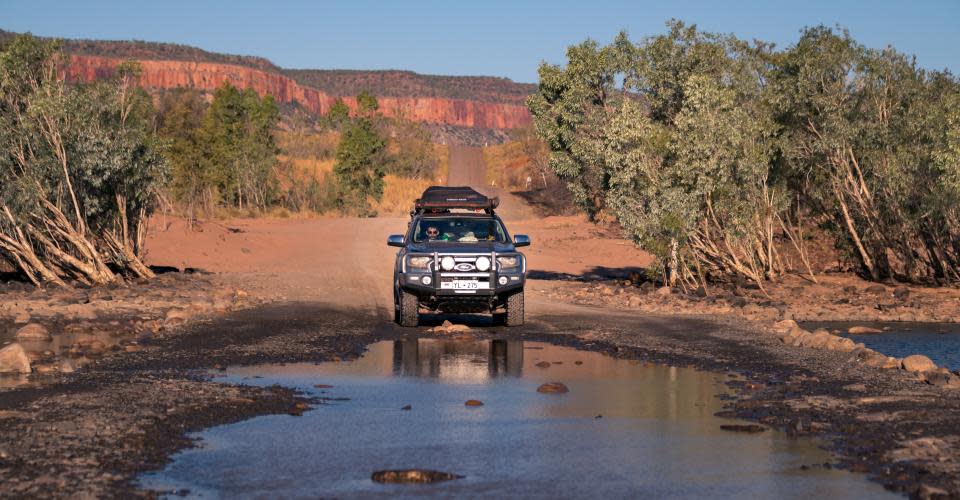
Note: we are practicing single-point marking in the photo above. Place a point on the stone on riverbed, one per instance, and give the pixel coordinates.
(748, 428)
(941, 379)
(416, 476)
(857, 330)
(13, 359)
(918, 363)
(33, 331)
(553, 388)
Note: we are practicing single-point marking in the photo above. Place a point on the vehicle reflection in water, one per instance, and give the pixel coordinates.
(625, 429)
(438, 358)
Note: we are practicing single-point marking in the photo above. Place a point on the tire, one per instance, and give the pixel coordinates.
(514, 307)
(409, 311)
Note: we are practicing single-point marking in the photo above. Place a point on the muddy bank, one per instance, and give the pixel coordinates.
(88, 433)
(833, 298)
(51, 331)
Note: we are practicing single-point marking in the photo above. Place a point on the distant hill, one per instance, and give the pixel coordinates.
(397, 83)
(337, 82)
(462, 109)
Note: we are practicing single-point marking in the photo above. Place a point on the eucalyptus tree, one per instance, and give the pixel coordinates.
(79, 165)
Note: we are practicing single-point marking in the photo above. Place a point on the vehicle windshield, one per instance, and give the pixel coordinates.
(459, 229)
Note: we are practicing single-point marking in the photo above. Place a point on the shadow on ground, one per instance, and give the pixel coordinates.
(596, 273)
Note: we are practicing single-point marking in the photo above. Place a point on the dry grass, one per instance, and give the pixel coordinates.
(399, 194)
(507, 165)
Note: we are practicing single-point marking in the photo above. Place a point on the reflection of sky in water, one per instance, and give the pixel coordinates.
(938, 341)
(657, 435)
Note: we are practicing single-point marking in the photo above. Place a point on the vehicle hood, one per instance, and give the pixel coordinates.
(448, 247)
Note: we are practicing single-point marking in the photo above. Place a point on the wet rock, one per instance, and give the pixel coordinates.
(918, 363)
(33, 331)
(415, 476)
(46, 368)
(473, 402)
(322, 386)
(13, 359)
(175, 317)
(819, 338)
(448, 327)
(901, 292)
(784, 326)
(543, 364)
(20, 315)
(748, 428)
(407, 408)
(941, 379)
(878, 360)
(298, 408)
(553, 388)
(859, 330)
(927, 492)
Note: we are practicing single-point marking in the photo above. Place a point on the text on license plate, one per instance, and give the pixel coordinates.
(464, 285)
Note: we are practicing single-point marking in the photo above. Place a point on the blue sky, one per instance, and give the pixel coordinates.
(490, 37)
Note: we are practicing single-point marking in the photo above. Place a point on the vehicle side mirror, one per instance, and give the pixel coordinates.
(395, 240)
(521, 240)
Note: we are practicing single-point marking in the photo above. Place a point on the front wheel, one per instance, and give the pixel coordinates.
(408, 312)
(514, 310)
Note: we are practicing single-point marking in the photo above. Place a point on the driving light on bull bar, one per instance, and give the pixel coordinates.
(508, 262)
(419, 262)
(447, 263)
(426, 280)
(502, 280)
(483, 264)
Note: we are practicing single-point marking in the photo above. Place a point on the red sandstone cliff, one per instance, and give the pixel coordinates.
(208, 76)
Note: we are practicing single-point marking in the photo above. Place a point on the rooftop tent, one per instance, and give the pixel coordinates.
(443, 198)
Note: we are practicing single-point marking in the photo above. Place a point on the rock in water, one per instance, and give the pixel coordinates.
(473, 402)
(918, 363)
(553, 388)
(416, 476)
(33, 331)
(748, 428)
(13, 359)
(863, 329)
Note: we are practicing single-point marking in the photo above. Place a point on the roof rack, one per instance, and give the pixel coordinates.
(438, 199)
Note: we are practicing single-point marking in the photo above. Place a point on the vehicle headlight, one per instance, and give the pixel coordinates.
(509, 262)
(419, 262)
(447, 263)
(483, 264)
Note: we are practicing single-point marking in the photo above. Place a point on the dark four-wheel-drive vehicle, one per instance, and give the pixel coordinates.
(458, 257)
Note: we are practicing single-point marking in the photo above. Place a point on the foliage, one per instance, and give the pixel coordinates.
(411, 153)
(223, 154)
(706, 147)
(359, 168)
(80, 167)
(367, 104)
(338, 115)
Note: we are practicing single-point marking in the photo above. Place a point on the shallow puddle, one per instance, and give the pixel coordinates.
(938, 341)
(624, 429)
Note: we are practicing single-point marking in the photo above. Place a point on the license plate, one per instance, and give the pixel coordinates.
(463, 285)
